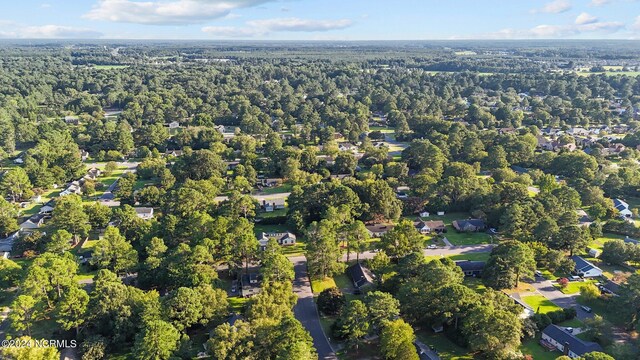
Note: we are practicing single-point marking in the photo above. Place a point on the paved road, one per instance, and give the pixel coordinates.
(565, 301)
(307, 312)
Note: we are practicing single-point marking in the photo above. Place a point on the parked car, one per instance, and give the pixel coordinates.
(569, 330)
(538, 273)
(234, 286)
(432, 246)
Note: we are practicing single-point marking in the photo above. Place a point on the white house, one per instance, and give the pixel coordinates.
(284, 239)
(555, 337)
(173, 125)
(622, 207)
(584, 268)
(145, 213)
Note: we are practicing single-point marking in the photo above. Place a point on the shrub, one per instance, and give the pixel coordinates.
(589, 292)
(331, 301)
(541, 320)
(557, 316)
(570, 313)
(563, 282)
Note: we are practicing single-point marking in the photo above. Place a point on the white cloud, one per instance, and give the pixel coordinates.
(166, 12)
(556, 31)
(264, 27)
(296, 24)
(599, 2)
(585, 18)
(636, 25)
(49, 32)
(232, 31)
(45, 5)
(554, 7)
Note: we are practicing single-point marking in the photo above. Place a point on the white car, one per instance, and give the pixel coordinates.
(432, 246)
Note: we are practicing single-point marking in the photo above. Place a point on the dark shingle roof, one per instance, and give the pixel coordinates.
(582, 265)
(468, 265)
(360, 275)
(576, 345)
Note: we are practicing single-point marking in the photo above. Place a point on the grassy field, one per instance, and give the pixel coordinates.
(317, 286)
(447, 350)
(110, 67)
(284, 188)
(598, 243)
(237, 303)
(610, 73)
(532, 347)
(573, 287)
(540, 304)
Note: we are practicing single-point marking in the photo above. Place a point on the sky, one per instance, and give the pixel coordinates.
(320, 19)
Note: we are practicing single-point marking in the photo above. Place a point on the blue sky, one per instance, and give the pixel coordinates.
(321, 19)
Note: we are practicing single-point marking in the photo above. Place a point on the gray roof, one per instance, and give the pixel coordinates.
(468, 265)
(576, 345)
(360, 275)
(583, 265)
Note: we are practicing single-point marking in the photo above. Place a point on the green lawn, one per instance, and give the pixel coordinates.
(447, 350)
(317, 286)
(455, 237)
(284, 188)
(532, 347)
(475, 284)
(237, 303)
(573, 287)
(110, 67)
(598, 243)
(466, 238)
(540, 304)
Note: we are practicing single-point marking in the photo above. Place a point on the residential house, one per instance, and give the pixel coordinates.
(173, 125)
(32, 223)
(345, 146)
(555, 337)
(84, 155)
(471, 268)
(47, 208)
(72, 120)
(622, 207)
(270, 182)
(284, 239)
(527, 311)
(250, 285)
(578, 132)
(427, 227)
(584, 268)
(424, 214)
(360, 276)
(469, 225)
(145, 213)
(232, 164)
(93, 174)
(273, 205)
(221, 129)
(378, 230)
(174, 153)
(6, 244)
(583, 218)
